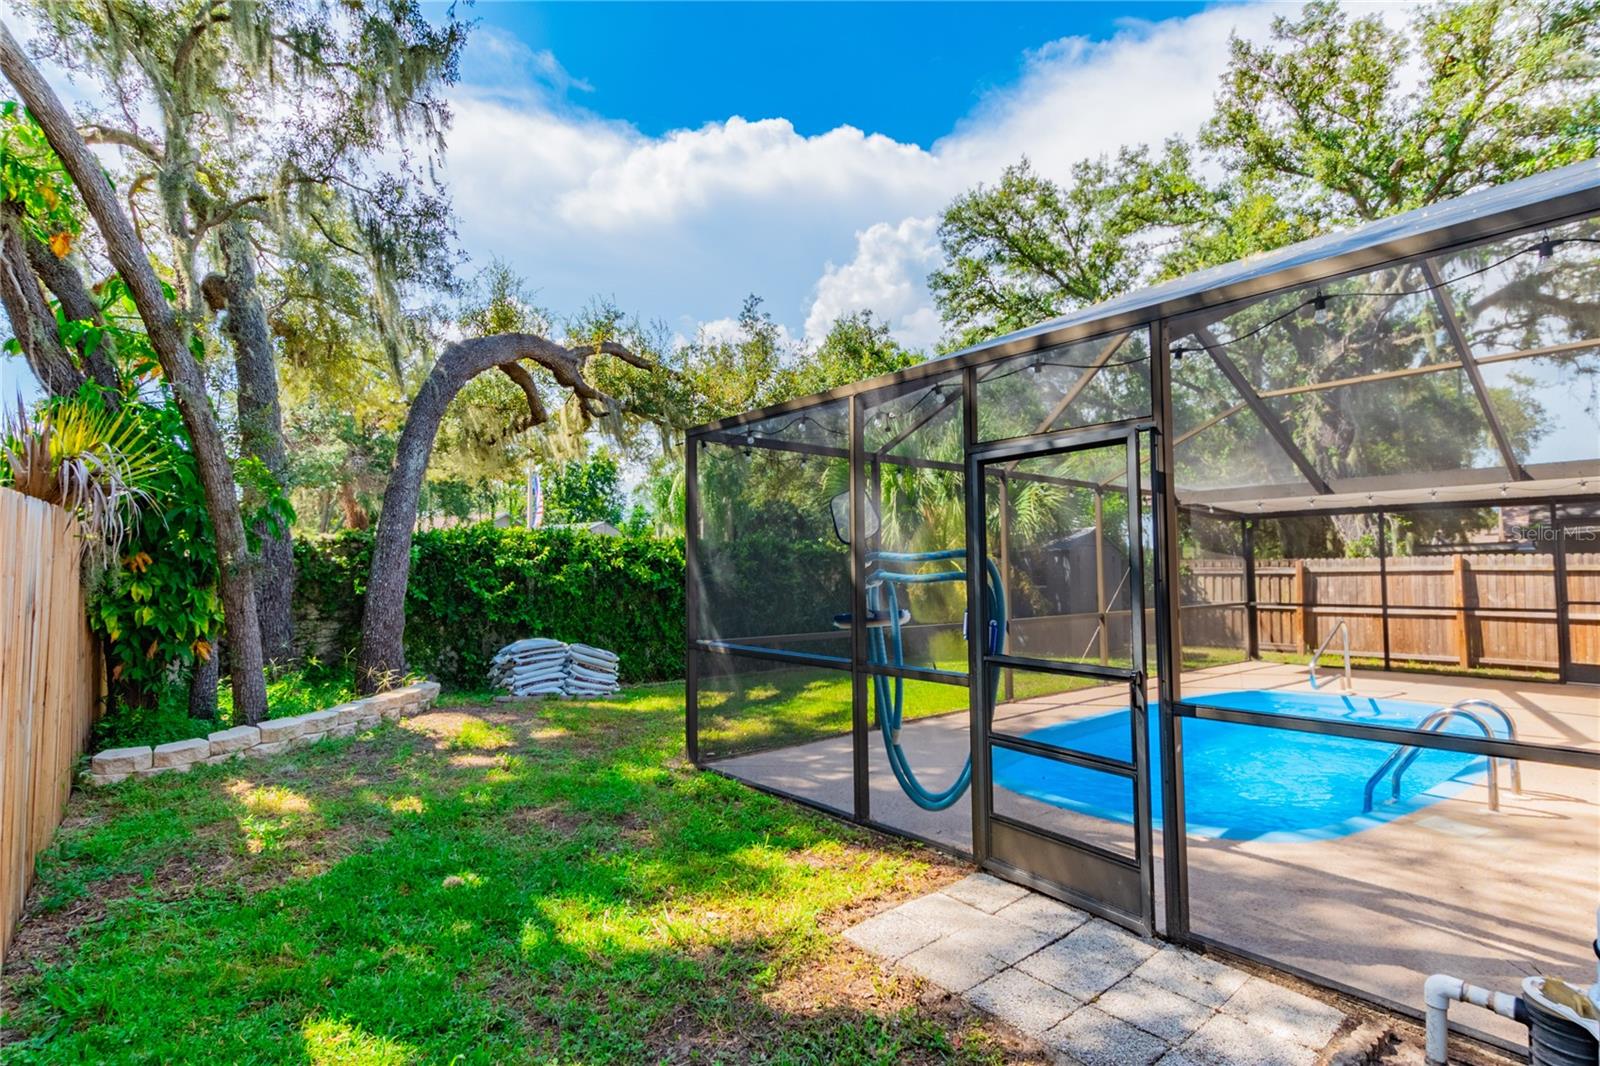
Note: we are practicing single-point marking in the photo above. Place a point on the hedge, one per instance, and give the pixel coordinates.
(474, 589)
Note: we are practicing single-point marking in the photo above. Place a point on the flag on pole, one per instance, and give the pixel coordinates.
(535, 500)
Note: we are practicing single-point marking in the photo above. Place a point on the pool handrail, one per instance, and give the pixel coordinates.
(1405, 754)
(1341, 627)
(1460, 708)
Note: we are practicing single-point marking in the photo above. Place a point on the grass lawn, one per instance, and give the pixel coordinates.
(540, 882)
(768, 707)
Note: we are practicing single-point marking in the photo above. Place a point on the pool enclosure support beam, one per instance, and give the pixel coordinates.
(1100, 573)
(1048, 422)
(1009, 676)
(691, 599)
(1383, 582)
(858, 613)
(1139, 692)
(1467, 744)
(1563, 604)
(1458, 339)
(1265, 415)
(1252, 617)
(977, 698)
(1164, 512)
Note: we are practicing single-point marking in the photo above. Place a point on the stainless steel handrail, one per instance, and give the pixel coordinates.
(1404, 755)
(1340, 628)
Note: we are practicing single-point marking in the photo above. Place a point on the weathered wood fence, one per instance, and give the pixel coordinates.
(49, 686)
(1457, 610)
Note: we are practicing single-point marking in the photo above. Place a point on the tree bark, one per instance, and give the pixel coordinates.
(66, 284)
(260, 434)
(381, 660)
(32, 321)
(203, 685)
(171, 345)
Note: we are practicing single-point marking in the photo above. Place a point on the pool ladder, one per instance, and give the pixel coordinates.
(1403, 756)
(1338, 629)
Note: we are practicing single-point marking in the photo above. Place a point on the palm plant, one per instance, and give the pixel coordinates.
(97, 464)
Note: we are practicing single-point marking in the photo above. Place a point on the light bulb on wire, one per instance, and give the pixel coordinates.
(1319, 309)
(1547, 256)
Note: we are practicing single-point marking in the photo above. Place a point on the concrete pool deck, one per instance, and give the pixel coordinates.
(1487, 896)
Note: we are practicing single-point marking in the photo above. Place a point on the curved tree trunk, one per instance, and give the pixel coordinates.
(260, 434)
(66, 285)
(381, 660)
(32, 321)
(171, 345)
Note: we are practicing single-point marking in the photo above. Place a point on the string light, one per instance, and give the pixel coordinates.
(1547, 255)
(1318, 304)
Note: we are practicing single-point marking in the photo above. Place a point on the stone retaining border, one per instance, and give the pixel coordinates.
(258, 741)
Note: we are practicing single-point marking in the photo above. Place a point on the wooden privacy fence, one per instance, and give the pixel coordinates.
(1458, 610)
(49, 686)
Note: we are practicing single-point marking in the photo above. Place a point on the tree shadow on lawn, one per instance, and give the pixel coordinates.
(495, 886)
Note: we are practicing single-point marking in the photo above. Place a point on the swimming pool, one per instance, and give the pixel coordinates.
(1244, 782)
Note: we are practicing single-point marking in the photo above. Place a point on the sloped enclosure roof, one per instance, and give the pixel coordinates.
(1447, 353)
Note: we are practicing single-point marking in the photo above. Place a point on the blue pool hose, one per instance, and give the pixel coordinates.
(888, 649)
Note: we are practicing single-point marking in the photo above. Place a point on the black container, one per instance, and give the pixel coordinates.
(1556, 1041)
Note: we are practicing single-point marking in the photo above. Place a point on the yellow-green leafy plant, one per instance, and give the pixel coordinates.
(76, 454)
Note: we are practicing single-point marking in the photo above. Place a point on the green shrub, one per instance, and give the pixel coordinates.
(474, 589)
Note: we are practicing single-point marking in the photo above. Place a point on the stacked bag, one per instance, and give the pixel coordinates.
(591, 671)
(532, 667)
(542, 667)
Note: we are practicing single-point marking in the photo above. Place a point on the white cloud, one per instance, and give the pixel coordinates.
(728, 329)
(682, 226)
(885, 277)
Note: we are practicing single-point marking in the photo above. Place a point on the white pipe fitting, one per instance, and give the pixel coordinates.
(1437, 992)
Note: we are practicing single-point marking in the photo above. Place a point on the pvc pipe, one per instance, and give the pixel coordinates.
(1438, 991)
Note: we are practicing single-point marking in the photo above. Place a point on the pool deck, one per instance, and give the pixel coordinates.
(1453, 887)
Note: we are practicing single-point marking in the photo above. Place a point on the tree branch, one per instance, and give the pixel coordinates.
(530, 389)
(94, 133)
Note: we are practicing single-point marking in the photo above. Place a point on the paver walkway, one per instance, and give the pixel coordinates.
(1091, 991)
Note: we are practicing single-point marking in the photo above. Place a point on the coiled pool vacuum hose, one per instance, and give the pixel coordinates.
(886, 647)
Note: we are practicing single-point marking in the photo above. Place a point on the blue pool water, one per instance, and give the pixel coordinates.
(1245, 782)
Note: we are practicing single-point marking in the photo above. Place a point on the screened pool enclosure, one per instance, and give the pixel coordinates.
(1257, 609)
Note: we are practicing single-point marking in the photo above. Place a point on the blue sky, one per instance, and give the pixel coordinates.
(906, 70)
(675, 158)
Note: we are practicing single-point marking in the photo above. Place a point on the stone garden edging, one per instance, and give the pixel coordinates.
(269, 737)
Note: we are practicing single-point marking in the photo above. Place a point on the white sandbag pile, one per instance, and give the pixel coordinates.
(542, 667)
(591, 671)
(532, 667)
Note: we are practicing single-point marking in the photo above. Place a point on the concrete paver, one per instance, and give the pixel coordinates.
(1094, 993)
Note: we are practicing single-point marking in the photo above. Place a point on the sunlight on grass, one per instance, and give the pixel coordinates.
(477, 735)
(403, 901)
(340, 1043)
(407, 805)
(269, 799)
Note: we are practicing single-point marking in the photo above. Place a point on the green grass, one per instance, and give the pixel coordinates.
(525, 883)
(1335, 660)
(777, 708)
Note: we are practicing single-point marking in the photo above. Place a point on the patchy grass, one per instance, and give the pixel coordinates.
(537, 882)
